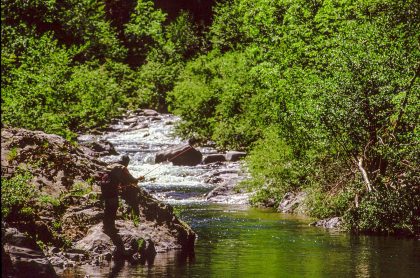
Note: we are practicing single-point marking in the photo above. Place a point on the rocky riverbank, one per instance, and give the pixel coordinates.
(52, 213)
(176, 170)
(57, 222)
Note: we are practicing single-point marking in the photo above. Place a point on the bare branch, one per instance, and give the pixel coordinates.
(364, 174)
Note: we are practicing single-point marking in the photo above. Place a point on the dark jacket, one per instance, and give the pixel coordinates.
(116, 180)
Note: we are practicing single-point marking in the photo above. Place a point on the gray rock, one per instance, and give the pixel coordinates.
(180, 155)
(76, 222)
(100, 148)
(234, 155)
(214, 158)
(291, 201)
(226, 193)
(328, 223)
(148, 113)
(130, 121)
(24, 257)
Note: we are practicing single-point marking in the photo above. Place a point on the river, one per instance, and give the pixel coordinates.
(236, 240)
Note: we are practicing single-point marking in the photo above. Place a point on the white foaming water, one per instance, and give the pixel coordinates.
(167, 182)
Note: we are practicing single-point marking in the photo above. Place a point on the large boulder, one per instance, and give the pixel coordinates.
(180, 155)
(211, 158)
(99, 147)
(59, 164)
(23, 257)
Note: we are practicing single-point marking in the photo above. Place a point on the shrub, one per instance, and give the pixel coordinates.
(273, 167)
(17, 196)
(387, 211)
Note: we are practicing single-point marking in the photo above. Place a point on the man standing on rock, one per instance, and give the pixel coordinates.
(118, 181)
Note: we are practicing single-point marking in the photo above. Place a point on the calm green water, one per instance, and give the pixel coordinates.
(248, 242)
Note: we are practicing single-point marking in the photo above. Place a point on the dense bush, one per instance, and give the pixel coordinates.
(17, 196)
(387, 211)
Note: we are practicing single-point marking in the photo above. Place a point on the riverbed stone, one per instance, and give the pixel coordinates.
(180, 155)
(235, 155)
(211, 158)
(100, 147)
(148, 113)
(328, 223)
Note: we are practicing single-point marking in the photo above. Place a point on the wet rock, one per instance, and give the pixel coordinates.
(227, 193)
(129, 121)
(23, 257)
(234, 155)
(149, 113)
(155, 119)
(180, 155)
(328, 223)
(100, 147)
(214, 158)
(291, 202)
(141, 126)
(97, 242)
(213, 180)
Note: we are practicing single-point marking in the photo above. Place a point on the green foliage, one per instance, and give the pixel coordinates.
(179, 42)
(312, 89)
(12, 154)
(140, 243)
(387, 211)
(135, 218)
(80, 189)
(143, 32)
(328, 204)
(272, 164)
(49, 200)
(95, 97)
(45, 92)
(65, 68)
(17, 196)
(212, 98)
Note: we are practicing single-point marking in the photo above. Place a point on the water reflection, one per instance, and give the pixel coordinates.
(247, 242)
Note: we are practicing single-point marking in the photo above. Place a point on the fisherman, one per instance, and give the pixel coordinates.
(118, 181)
